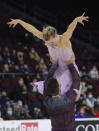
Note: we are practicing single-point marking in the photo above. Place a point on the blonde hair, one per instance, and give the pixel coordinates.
(49, 32)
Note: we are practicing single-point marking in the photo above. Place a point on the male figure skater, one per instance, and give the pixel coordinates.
(61, 108)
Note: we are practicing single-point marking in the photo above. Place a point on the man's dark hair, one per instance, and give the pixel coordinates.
(52, 88)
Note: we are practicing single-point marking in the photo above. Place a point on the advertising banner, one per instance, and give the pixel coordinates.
(45, 125)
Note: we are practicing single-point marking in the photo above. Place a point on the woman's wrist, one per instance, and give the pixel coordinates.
(76, 20)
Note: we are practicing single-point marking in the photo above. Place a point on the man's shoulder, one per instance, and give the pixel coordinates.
(54, 103)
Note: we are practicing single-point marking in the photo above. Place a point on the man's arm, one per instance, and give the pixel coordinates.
(70, 96)
(75, 77)
(73, 25)
(75, 82)
(27, 26)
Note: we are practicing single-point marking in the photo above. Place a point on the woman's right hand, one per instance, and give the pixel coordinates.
(13, 22)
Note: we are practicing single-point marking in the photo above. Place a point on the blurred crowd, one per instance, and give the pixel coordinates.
(19, 97)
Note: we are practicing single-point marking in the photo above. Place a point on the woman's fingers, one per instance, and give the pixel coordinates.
(85, 18)
(11, 19)
(9, 24)
(83, 14)
(82, 23)
(14, 25)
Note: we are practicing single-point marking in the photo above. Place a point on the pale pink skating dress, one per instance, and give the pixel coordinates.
(62, 53)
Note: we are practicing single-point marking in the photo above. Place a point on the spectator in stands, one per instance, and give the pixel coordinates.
(42, 66)
(20, 67)
(34, 55)
(26, 53)
(90, 100)
(83, 102)
(84, 90)
(6, 68)
(20, 56)
(93, 73)
(80, 102)
(83, 84)
(27, 78)
(37, 113)
(14, 57)
(16, 68)
(82, 113)
(38, 69)
(84, 71)
(42, 61)
(26, 68)
(38, 77)
(32, 88)
(95, 110)
(34, 80)
(7, 59)
(8, 103)
(3, 98)
(9, 114)
(21, 111)
(5, 52)
(21, 90)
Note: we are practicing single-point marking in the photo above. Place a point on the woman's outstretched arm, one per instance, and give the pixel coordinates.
(27, 26)
(73, 25)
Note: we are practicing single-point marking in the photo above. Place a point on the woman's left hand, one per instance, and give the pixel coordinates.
(82, 18)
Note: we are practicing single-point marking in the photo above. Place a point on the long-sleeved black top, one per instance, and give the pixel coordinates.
(61, 109)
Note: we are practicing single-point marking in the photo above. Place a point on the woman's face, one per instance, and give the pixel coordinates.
(53, 41)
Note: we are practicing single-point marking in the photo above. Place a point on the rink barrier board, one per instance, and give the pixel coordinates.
(91, 124)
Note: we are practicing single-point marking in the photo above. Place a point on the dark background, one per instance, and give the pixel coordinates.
(71, 9)
(55, 13)
(68, 9)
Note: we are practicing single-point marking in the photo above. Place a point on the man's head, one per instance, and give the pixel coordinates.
(52, 88)
(50, 35)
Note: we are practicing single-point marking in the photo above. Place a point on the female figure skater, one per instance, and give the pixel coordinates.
(59, 47)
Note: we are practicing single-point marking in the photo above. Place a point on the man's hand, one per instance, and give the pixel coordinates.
(77, 97)
(54, 61)
(82, 18)
(13, 22)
